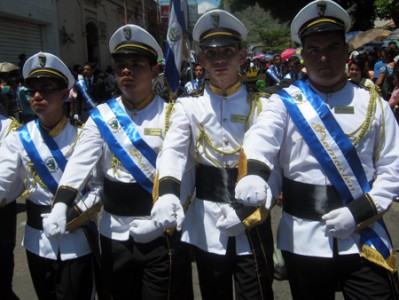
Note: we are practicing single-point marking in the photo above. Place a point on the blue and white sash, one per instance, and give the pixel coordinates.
(125, 142)
(275, 74)
(47, 158)
(81, 84)
(340, 161)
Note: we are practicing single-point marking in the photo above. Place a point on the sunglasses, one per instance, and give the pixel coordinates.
(44, 91)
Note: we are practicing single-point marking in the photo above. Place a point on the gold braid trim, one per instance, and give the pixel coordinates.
(168, 113)
(375, 257)
(116, 162)
(36, 178)
(256, 218)
(13, 126)
(365, 127)
(115, 165)
(381, 136)
(204, 140)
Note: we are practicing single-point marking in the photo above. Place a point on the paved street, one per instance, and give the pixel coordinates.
(23, 285)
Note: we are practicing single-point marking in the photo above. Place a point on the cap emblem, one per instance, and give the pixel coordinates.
(215, 19)
(321, 8)
(42, 60)
(127, 32)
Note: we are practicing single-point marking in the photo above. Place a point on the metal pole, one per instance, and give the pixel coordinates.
(144, 16)
(125, 10)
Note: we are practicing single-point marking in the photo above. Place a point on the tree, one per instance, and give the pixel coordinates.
(387, 9)
(263, 28)
(363, 12)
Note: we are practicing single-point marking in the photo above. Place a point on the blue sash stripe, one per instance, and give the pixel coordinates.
(35, 157)
(81, 84)
(52, 145)
(370, 238)
(367, 235)
(337, 133)
(316, 147)
(119, 151)
(132, 133)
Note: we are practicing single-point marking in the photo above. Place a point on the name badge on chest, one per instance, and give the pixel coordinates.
(348, 110)
(153, 131)
(238, 119)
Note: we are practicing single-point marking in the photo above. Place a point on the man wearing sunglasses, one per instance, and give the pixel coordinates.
(34, 158)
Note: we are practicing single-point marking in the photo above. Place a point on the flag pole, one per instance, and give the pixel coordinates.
(125, 10)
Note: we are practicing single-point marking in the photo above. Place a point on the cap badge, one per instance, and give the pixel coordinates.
(321, 8)
(127, 32)
(42, 60)
(215, 19)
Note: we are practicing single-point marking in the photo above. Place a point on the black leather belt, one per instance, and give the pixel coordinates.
(309, 201)
(215, 184)
(126, 199)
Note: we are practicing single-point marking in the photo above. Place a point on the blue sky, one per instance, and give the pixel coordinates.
(203, 5)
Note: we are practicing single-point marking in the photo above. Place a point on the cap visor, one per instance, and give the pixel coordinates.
(218, 42)
(322, 27)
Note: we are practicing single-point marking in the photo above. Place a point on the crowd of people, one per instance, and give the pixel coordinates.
(124, 187)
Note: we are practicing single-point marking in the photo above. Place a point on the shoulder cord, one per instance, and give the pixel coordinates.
(35, 176)
(204, 140)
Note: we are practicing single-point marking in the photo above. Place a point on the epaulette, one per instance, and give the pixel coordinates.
(14, 124)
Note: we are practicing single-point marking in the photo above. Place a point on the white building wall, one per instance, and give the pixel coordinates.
(63, 24)
(41, 13)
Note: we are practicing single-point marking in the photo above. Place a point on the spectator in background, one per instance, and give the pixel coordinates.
(295, 68)
(357, 72)
(385, 78)
(197, 84)
(276, 72)
(26, 112)
(110, 82)
(394, 100)
(21, 61)
(379, 63)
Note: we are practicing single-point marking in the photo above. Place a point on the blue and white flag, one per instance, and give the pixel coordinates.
(176, 49)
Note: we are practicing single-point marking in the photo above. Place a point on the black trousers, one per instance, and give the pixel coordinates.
(315, 278)
(8, 220)
(62, 280)
(252, 274)
(160, 269)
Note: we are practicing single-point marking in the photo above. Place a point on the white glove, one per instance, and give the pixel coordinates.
(252, 190)
(76, 117)
(340, 222)
(168, 212)
(54, 223)
(145, 231)
(228, 223)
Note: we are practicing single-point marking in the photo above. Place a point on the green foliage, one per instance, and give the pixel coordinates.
(263, 28)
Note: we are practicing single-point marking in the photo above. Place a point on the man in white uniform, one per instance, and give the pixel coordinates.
(8, 222)
(124, 136)
(338, 150)
(228, 240)
(34, 158)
